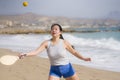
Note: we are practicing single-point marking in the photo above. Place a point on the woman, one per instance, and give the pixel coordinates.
(56, 50)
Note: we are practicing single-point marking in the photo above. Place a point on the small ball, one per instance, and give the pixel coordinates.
(25, 3)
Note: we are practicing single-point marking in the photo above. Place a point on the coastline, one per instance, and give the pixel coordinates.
(37, 68)
(27, 30)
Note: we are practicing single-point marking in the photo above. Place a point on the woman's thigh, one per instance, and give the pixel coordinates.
(53, 78)
(74, 77)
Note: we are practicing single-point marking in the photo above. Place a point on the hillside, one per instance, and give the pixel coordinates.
(31, 22)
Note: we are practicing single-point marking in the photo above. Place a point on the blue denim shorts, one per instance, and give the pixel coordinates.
(62, 70)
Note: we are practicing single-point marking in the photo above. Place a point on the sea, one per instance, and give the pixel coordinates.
(102, 47)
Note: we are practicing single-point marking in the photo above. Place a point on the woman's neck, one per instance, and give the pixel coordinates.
(55, 39)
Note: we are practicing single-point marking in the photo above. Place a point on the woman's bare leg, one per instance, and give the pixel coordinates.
(53, 78)
(74, 77)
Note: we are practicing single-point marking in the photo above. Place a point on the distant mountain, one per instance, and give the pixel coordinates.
(113, 19)
(114, 15)
(27, 17)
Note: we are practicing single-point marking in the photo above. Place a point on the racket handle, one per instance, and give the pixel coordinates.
(22, 56)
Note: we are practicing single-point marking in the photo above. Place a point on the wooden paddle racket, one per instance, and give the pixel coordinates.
(8, 59)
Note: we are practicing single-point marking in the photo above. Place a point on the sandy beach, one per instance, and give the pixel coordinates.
(37, 68)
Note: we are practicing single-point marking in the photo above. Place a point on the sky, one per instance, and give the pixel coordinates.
(66, 8)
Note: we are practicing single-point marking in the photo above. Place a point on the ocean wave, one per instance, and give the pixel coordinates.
(105, 43)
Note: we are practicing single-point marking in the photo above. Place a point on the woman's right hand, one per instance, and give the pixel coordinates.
(21, 56)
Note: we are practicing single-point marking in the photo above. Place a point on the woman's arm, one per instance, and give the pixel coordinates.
(42, 47)
(74, 52)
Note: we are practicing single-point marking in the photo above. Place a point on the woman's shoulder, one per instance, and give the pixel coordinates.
(68, 44)
(65, 42)
(46, 41)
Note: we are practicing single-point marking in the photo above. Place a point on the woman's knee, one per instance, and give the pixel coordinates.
(53, 78)
(74, 77)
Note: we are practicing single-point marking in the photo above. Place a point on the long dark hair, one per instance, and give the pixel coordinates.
(61, 36)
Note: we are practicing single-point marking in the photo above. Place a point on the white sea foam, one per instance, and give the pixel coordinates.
(105, 43)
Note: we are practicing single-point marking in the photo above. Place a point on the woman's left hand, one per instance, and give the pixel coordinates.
(87, 59)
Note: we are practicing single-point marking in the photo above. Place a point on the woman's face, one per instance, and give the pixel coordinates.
(55, 31)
